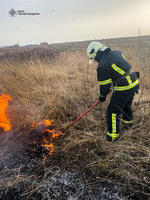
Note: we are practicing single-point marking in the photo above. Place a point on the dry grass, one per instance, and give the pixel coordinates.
(62, 87)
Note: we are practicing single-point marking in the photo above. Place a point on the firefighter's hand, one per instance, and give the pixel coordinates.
(102, 99)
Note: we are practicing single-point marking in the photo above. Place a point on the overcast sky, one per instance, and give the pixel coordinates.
(72, 20)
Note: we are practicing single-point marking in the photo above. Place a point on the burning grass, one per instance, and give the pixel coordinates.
(61, 88)
(4, 121)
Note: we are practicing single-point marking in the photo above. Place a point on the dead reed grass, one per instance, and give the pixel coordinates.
(61, 86)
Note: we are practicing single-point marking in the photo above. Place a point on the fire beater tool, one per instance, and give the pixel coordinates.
(77, 119)
(50, 148)
(82, 115)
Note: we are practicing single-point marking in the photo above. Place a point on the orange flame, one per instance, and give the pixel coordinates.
(52, 134)
(4, 121)
(45, 122)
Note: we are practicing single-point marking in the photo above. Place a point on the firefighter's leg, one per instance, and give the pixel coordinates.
(115, 108)
(113, 121)
(127, 113)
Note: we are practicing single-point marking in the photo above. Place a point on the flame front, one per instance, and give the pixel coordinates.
(52, 134)
(45, 122)
(45, 125)
(4, 121)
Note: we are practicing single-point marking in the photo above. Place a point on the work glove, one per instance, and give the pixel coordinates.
(102, 99)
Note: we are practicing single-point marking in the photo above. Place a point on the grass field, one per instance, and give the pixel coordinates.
(60, 85)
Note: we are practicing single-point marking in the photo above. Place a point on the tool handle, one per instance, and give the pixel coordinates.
(82, 115)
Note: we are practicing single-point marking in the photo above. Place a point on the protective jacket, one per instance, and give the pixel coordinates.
(113, 71)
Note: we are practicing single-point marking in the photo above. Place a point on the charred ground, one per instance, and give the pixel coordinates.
(60, 85)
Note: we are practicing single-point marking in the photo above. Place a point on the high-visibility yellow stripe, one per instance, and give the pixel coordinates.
(123, 56)
(121, 88)
(113, 123)
(126, 122)
(129, 79)
(104, 82)
(113, 135)
(120, 71)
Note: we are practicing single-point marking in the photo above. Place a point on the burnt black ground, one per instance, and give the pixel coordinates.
(24, 174)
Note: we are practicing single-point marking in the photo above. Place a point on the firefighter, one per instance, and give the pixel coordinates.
(114, 73)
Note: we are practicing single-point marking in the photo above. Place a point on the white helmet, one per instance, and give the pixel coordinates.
(93, 49)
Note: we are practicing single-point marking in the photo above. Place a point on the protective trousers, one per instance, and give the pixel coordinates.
(119, 103)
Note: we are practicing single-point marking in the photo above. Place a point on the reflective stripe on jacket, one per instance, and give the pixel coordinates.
(112, 66)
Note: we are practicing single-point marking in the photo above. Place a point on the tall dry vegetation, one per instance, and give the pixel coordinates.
(61, 86)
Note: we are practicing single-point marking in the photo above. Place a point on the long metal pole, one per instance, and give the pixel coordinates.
(82, 115)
